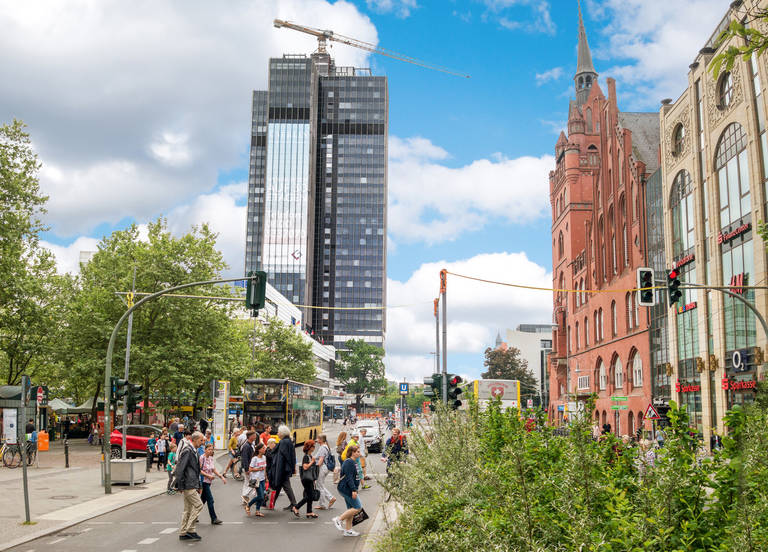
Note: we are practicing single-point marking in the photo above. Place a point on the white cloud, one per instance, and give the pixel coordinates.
(143, 103)
(475, 309)
(68, 256)
(401, 8)
(431, 202)
(550, 75)
(659, 38)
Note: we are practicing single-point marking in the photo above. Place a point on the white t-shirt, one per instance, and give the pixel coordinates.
(257, 462)
(241, 439)
(321, 452)
(361, 444)
(160, 446)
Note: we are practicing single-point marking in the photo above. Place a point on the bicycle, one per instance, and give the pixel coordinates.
(11, 454)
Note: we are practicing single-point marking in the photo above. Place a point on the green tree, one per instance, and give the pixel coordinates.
(32, 295)
(507, 364)
(282, 353)
(751, 40)
(177, 345)
(361, 370)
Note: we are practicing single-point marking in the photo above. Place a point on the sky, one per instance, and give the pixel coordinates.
(142, 109)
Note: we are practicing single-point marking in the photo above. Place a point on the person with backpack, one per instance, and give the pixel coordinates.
(187, 481)
(327, 464)
(396, 449)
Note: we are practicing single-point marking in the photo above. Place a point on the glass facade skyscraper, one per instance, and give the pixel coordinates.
(318, 194)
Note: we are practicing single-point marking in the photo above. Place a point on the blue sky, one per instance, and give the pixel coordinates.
(144, 110)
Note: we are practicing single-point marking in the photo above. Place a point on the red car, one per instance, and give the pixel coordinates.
(136, 439)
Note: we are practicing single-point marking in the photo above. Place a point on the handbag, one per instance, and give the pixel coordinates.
(310, 475)
(253, 483)
(315, 495)
(359, 517)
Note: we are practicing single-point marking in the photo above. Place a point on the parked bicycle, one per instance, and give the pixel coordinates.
(11, 454)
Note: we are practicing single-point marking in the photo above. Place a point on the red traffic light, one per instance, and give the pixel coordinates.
(456, 380)
(672, 274)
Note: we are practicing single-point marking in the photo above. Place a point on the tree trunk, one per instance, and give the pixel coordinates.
(358, 401)
(95, 406)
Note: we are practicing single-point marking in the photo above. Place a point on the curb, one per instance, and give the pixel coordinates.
(385, 516)
(153, 489)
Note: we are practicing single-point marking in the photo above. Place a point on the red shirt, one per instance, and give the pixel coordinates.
(265, 437)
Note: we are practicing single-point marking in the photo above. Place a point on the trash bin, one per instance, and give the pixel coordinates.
(42, 441)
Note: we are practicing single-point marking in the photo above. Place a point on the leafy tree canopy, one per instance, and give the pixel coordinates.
(281, 352)
(507, 364)
(361, 369)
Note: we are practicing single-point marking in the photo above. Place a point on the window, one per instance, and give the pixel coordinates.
(597, 327)
(681, 207)
(678, 140)
(578, 337)
(613, 318)
(636, 305)
(583, 382)
(628, 299)
(603, 376)
(569, 339)
(618, 373)
(560, 246)
(725, 91)
(637, 370)
(732, 170)
(600, 320)
(586, 331)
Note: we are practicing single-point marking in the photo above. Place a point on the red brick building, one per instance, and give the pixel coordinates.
(601, 341)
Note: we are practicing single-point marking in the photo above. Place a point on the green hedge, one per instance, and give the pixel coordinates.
(482, 481)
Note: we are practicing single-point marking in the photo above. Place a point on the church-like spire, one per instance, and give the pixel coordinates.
(585, 71)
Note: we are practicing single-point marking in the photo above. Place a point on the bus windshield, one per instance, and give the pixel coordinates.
(265, 392)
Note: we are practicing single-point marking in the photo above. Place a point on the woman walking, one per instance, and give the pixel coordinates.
(270, 456)
(308, 476)
(324, 458)
(258, 475)
(348, 486)
(208, 472)
(284, 459)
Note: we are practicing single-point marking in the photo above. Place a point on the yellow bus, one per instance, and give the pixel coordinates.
(282, 401)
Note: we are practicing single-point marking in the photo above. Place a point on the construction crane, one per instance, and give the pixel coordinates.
(323, 36)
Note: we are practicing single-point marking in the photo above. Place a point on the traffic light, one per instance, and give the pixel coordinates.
(119, 389)
(256, 290)
(134, 393)
(435, 387)
(645, 286)
(454, 391)
(673, 283)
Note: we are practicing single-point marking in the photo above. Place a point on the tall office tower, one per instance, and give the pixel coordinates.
(317, 198)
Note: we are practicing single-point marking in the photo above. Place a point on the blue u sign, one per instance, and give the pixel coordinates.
(403, 388)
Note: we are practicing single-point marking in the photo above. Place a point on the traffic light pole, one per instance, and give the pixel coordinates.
(108, 370)
(443, 285)
(437, 336)
(727, 291)
(124, 452)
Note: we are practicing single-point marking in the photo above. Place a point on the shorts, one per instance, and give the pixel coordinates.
(233, 454)
(352, 502)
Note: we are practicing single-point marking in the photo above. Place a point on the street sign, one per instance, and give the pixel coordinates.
(530, 403)
(619, 407)
(403, 388)
(42, 395)
(651, 413)
(618, 399)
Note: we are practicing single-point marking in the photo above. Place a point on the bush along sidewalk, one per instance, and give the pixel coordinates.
(489, 481)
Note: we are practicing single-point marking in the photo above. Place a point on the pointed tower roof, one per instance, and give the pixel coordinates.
(561, 140)
(584, 60)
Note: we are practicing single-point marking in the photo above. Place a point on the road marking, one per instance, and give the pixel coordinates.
(87, 529)
(232, 522)
(303, 522)
(128, 551)
(131, 523)
(268, 522)
(163, 523)
(100, 523)
(169, 531)
(149, 541)
(56, 541)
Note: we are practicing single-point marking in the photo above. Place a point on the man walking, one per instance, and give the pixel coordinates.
(246, 454)
(188, 483)
(179, 434)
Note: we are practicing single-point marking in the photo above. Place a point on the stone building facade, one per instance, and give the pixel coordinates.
(714, 177)
(601, 334)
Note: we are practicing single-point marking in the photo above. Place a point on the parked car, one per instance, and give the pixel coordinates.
(136, 439)
(373, 434)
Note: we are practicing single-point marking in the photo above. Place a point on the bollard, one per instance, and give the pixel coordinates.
(66, 452)
(149, 460)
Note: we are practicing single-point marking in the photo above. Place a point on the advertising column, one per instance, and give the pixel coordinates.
(220, 394)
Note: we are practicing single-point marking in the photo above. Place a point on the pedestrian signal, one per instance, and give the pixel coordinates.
(645, 287)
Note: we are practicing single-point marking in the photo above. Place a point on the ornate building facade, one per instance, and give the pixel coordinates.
(601, 335)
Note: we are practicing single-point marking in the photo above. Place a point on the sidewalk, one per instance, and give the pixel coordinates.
(61, 497)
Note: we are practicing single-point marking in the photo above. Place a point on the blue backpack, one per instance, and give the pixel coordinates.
(330, 461)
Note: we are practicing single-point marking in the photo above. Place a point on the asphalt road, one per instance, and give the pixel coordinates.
(153, 523)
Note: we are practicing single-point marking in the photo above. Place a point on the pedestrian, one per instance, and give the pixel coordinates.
(363, 457)
(151, 448)
(308, 475)
(171, 467)
(396, 448)
(204, 426)
(233, 449)
(208, 472)
(178, 435)
(246, 454)
(257, 475)
(347, 487)
(174, 427)
(161, 447)
(284, 460)
(660, 437)
(351, 443)
(266, 434)
(188, 482)
(326, 462)
(269, 454)
(208, 437)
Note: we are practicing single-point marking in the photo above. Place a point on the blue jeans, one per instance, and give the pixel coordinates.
(259, 498)
(207, 498)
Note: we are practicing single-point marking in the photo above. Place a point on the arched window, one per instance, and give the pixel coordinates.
(601, 245)
(631, 424)
(725, 90)
(732, 170)
(624, 237)
(589, 81)
(681, 206)
(569, 339)
(636, 306)
(586, 331)
(597, 327)
(560, 246)
(600, 320)
(614, 328)
(628, 299)
(560, 288)
(592, 157)
(589, 119)
(602, 376)
(678, 139)
(578, 337)
(583, 294)
(618, 373)
(637, 370)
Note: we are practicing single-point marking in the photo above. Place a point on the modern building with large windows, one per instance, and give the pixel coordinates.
(714, 172)
(317, 194)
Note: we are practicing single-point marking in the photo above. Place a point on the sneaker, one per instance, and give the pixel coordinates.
(337, 523)
(351, 533)
(216, 522)
(186, 536)
(195, 536)
(366, 486)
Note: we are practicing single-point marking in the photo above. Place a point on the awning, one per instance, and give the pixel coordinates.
(59, 406)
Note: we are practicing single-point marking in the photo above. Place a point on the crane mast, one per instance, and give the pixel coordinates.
(324, 36)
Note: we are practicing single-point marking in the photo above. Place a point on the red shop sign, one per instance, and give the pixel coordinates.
(722, 238)
(734, 385)
(682, 388)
